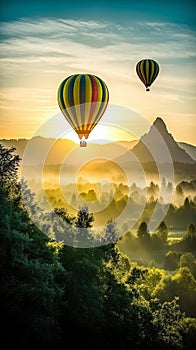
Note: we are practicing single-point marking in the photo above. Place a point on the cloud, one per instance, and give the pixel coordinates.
(56, 46)
(52, 44)
(60, 32)
(36, 54)
(45, 26)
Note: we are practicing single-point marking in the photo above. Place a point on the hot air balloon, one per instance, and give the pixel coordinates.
(83, 99)
(147, 70)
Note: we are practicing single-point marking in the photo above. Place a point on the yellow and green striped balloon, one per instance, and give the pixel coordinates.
(147, 70)
(83, 99)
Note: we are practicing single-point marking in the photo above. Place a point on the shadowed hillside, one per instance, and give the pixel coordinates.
(158, 144)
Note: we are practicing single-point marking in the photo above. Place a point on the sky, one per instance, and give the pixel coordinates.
(42, 42)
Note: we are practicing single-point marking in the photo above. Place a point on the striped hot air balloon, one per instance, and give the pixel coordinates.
(147, 70)
(83, 99)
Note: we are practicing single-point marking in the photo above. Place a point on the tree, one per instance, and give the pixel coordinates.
(9, 163)
(142, 231)
(31, 277)
(166, 319)
(136, 274)
(189, 240)
(190, 232)
(159, 238)
(31, 280)
(182, 285)
(188, 332)
(152, 279)
(162, 231)
(63, 213)
(84, 219)
(185, 288)
(153, 189)
(111, 234)
(188, 260)
(83, 222)
(171, 261)
(47, 292)
(28, 201)
(186, 203)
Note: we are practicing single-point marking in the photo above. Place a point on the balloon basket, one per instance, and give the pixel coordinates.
(83, 143)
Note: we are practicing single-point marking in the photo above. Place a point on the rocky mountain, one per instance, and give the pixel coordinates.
(159, 145)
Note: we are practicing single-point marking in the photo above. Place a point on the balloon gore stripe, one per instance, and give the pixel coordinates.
(147, 70)
(83, 99)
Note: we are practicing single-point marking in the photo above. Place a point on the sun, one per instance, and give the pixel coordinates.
(103, 134)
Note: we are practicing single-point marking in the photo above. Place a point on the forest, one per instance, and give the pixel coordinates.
(131, 291)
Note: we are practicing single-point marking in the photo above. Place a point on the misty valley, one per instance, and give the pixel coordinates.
(102, 246)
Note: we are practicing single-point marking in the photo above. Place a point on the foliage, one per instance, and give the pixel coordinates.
(188, 331)
(171, 260)
(167, 320)
(162, 231)
(84, 218)
(190, 233)
(31, 279)
(183, 285)
(188, 260)
(142, 231)
(50, 290)
(9, 163)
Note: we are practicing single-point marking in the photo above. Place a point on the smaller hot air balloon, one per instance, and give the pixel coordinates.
(83, 99)
(147, 70)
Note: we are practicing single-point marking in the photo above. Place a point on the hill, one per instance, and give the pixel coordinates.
(190, 149)
(54, 151)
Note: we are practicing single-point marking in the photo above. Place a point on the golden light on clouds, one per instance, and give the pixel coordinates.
(37, 54)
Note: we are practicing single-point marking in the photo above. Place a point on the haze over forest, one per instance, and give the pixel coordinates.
(112, 177)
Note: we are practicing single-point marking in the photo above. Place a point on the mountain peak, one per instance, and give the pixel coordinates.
(159, 144)
(159, 124)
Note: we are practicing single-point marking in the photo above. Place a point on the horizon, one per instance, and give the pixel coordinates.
(69, 139)
(73, 137)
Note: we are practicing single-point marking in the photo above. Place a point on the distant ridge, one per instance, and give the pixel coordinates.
(190, 149)
(57, 150)
(157, 143)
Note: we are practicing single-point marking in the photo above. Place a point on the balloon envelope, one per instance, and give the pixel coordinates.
(83, 99)
(147, 70)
